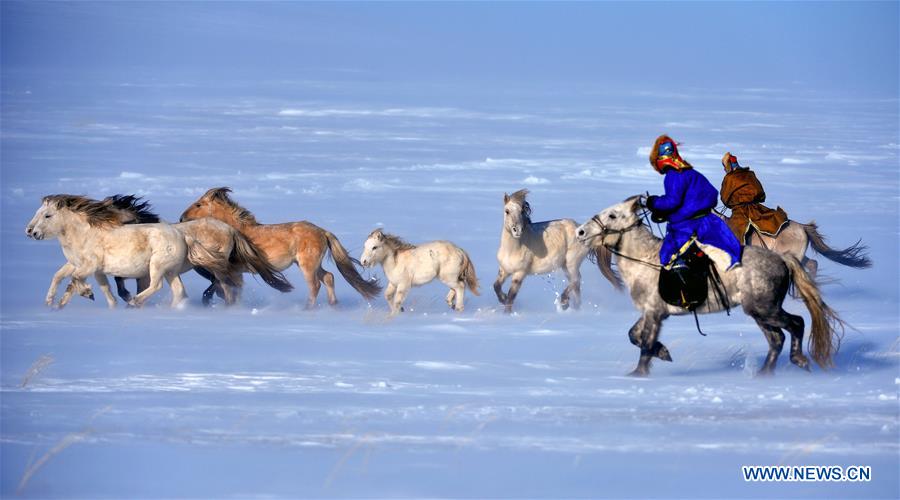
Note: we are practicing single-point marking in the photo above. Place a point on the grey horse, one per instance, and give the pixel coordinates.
(758, 285)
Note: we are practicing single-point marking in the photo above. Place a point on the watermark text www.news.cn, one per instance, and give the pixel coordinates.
(790, 473)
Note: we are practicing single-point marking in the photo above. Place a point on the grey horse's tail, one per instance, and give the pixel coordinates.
(852, 256)
(467, 274)
(246, 256)
(824, 341)
(347, 268)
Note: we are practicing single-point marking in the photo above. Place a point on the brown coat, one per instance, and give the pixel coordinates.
(744, 195)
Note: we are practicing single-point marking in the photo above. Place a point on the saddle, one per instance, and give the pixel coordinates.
(685, 282)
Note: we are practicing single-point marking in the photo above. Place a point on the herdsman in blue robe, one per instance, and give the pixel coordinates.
(687, 206)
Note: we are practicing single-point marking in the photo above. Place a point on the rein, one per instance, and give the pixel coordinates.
(604, 229)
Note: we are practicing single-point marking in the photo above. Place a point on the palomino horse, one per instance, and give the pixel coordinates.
(302, 243)
(95, 243)
(537, 248)
(759, 285)
(795, 238)
(226, 252)
(407, 265)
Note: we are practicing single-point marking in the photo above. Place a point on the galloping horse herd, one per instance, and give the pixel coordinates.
(221, 240)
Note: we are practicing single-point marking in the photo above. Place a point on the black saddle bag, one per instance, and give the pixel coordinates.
(686, 282)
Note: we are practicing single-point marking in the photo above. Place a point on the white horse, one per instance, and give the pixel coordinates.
(537, 248)
(95, 243)
(406, 266)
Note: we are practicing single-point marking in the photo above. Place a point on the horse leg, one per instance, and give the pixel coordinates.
(812, 267)
(460, 295)
(310, 268)
(451, 296)
(636, 333)
(237, 287)
(313, 283)
(77, 283)
(103, 281)
(498, 286)
(776, 342)
(84, 289)
(514, 286)
(327, 279)
(399, 297)
(227, 291)
(62, 273)
(67, 294)
(650, 348)
(155, 284)
(211, 289)
(389, 293)
(794, 325)
(121, 290)
(177, 286)
(572, 293)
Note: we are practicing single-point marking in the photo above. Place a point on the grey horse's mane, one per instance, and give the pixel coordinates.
(141, 210)
(392, 241)
(603, 255)
(98, 213)
(519, 197)
(221, 194)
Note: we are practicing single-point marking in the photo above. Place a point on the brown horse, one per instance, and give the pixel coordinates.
(217, 251)
(285, 244)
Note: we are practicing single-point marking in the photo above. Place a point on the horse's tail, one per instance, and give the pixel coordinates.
(247, 256)
(824, 340)
(467, 273)
(213, 262)
(347, 268)
(852, 256)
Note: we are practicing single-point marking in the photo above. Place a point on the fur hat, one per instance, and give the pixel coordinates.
(668, 157)
(730, 162)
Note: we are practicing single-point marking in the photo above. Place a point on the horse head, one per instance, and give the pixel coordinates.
(374, 249)
(516, 213)
(609, 224)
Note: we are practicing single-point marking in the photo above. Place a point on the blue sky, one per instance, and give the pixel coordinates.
(846, 47)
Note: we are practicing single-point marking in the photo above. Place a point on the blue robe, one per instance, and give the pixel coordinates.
(688, 205)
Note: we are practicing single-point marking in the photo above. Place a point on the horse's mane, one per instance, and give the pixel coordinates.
(393, 241)
(603, 255)
(221, 194)
(520, 198)
(141, 210)
(98, 213)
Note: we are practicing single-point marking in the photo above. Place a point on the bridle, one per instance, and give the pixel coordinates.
(605, 230)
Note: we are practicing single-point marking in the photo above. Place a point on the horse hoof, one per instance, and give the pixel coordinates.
(637, 372)
(801, 362)
(765, 373)
(663, 354)
(90, 295)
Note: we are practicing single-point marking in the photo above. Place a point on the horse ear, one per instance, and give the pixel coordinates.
(378, 234)
(505, 198)
(635, 203)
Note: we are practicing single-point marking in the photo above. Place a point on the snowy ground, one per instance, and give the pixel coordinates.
(266, 399)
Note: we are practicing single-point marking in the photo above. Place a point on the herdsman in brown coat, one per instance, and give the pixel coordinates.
(744, 195)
